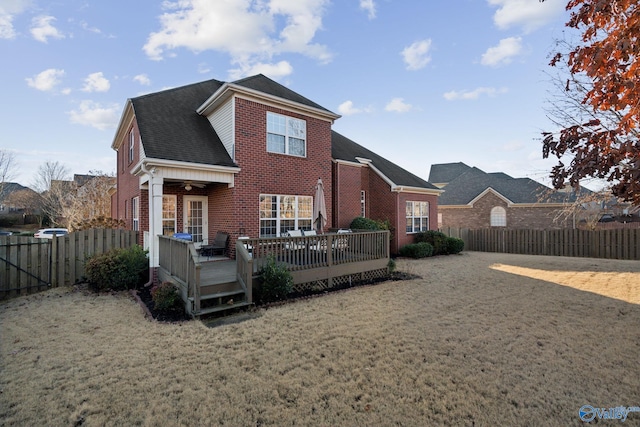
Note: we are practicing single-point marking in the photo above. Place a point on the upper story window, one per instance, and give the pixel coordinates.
(132, 142)
(286, 135)
(417, 216)
(498, 217)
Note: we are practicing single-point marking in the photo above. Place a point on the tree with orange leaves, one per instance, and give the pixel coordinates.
(608, 58)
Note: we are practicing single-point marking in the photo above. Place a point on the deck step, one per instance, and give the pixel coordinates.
(222, 308)
(221, 295)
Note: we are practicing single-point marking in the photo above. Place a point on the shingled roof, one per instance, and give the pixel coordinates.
(171, 129)
(464, 188)
(446, 172)
(342, 148)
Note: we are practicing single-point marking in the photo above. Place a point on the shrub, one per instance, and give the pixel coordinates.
(166, 298)
(454, 245)
(362, 223)
(417, 250)
(277, 281)
(118, 269)
(437, 239)
(391, 265)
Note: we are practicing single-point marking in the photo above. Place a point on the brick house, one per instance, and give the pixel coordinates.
(473, 198)
(244, 157)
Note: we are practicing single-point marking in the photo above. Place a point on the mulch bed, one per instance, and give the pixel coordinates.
(143, 295)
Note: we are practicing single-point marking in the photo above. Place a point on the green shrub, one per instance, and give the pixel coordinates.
(166, 298)
(437, 239)
(362, 223)
(118, 269)
(417, 250)
(277, 281)
(391, 265)
(454, 245)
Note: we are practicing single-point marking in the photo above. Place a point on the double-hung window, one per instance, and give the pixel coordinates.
(169, 205)
(417, 216)
(279, 214)
(132, 143)
(498, 217)
(286, 135)
(135, 213)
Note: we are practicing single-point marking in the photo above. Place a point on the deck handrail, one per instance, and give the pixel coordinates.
(179, 258)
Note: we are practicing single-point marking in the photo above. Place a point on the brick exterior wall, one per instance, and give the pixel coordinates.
(347, 186)
(128, 185)
(479, 216)
(263, 172)
(381, 204)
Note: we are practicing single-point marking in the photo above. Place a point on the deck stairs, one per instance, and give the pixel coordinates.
(220, 293)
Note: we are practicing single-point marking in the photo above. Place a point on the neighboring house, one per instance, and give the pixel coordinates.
(7, 206)
(244, 158)
(473, 198)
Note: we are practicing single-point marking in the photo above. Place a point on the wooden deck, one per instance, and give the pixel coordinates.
(216, 271)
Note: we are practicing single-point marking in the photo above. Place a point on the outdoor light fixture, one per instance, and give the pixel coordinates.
(188, 187)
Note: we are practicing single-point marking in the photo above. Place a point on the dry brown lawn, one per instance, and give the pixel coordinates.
(482, 339)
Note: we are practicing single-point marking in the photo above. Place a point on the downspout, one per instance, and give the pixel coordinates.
(144, 169)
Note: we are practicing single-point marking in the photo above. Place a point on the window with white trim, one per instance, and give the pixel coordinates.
(363, 211)
(132, 142)
(169, 204)
(286, 135)
(280, 213)
(498, 217)
(135, 213)
(417, 216)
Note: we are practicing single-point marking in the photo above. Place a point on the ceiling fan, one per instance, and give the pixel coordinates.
(188, 185)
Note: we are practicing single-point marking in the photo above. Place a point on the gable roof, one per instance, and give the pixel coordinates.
(9, 188)
(446, 172)
(171, 129)
(342, 148)
(264, 84)
(466, 188)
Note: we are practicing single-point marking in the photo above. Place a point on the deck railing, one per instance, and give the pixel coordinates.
(179, 259)
(315, 258)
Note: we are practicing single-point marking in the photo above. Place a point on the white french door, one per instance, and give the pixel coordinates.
(196, 218)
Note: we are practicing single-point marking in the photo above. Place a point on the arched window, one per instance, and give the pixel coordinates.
(498, 217)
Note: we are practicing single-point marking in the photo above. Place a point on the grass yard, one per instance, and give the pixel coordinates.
(482, 339)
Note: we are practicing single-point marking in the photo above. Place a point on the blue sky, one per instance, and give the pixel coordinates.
(419, 82)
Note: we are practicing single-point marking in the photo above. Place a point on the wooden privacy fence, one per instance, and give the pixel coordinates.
(29, 265)
(615, 244)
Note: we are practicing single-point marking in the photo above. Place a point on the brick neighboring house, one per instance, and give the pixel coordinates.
(473, 198)
(244, 157)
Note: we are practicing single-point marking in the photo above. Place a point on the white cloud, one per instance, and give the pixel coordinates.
(85, 26)
(474, 94)
(143, 79)
(93, 114)
(251, 32)
(274, 71)
(46, 80)
(347, 109)
(368, 6)
(502, 54)
(398, 105)
(41, 28)
(417, 56)
(95, 82)
(528, 14)
(8, 10)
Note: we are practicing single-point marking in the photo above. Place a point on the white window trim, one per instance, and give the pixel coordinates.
(363, 207)
(132, 141)
(175, 212)
(297, 218)
(412, 216)
(286, 135)
(498, 217)
(135, 213)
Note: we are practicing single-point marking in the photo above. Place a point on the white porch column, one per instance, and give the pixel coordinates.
(155, 218)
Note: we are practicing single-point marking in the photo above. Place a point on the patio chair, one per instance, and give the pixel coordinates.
(219, 245)
(293, 246)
